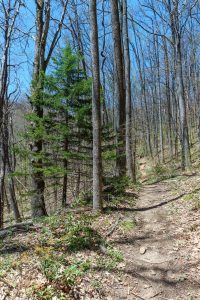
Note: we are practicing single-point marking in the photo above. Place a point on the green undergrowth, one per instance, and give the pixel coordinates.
(114, 192)
(118, 187)
(6, 264)
(194, 197)
(66, 248)
(110, 261)
(159, 172)
(48, 293)
(127, 224)
(64, 252)
(118, 184)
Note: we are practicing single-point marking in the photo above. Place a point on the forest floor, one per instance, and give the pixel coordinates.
(145, 246)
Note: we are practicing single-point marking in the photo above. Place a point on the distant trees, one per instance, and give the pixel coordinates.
(125, 87)
(167, 96)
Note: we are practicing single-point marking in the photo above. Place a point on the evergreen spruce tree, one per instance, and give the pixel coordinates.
(65, 128)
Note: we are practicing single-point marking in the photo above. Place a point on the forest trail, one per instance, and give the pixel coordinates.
(156, 267)
(152, 250)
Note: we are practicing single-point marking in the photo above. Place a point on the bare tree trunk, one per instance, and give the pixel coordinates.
(38, 183)
(186, 162)
(168, 96)
(160, 104)
(184, 136)
(140, 64)
(129, 156)
(65, 165)
(104, 109)
(11, 12)
(10, 168)
(96, 109)
(120, 90)
(77, 34)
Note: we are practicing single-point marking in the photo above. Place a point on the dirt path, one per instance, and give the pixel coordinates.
(155, 268)
(161, 252)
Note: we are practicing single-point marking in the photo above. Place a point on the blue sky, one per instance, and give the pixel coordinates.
(22, 52)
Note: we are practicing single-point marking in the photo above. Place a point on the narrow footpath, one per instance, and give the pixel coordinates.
(156, 267)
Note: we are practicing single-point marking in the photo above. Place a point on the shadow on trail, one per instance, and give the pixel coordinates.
(143, 272)
(148, 237)
(110, 208)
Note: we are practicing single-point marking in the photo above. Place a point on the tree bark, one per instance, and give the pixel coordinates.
(127, 67)
(120, 90)
(184, 136)
(96, 109)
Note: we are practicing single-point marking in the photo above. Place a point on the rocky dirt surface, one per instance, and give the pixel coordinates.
(162, 255)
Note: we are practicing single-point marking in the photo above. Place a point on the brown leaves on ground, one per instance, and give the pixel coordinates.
(92, 274)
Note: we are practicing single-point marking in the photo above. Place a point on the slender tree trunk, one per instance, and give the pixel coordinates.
(65, 165)
(11, 12)
(144, 105)
(104, 109)
(120, 90)
(186, 162)
(129, 156)
(38, 183)
(184, 136)
(160, 105)
(96, 109)
(168, 96)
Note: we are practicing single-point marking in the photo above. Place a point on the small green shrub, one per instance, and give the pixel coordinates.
(48, 293)
(195, 198)
(77, 269)
(56, 271)
(118, 184)
(160, 172)
(110, 262)
(96, 284)
(84, 199)
(82, 237)
(115, 254)
(127, 224)
(50, 267)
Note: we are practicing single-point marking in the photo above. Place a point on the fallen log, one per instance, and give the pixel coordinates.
(18, 227)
